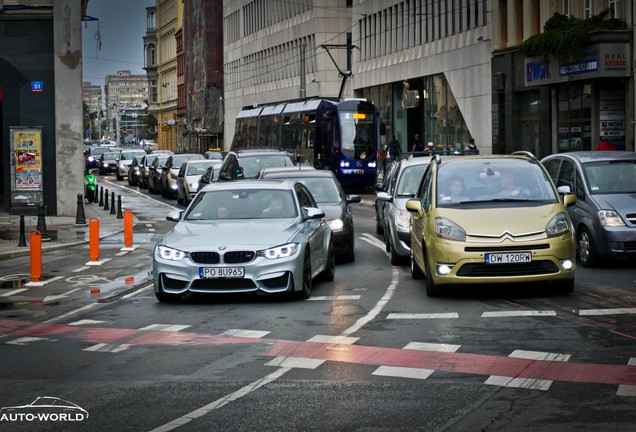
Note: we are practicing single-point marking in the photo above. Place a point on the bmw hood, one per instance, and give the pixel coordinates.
(233, 234)
(622, 203)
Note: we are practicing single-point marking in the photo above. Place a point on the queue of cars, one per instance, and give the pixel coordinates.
(471, 220)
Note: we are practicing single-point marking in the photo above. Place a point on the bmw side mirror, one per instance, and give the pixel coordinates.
(352, 199)
(174, 216)
(312, 213)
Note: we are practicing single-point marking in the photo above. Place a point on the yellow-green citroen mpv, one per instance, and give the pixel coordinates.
(490, 219)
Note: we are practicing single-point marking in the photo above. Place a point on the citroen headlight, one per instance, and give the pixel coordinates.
(449, 230)
(171, 254)
(403, 219)
(609, 218)
(558, 225)
(335, 224)
(283, 251)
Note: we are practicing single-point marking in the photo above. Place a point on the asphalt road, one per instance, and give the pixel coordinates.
(368, 352)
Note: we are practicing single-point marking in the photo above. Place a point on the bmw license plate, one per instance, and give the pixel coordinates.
(508, 258)
(221, 272)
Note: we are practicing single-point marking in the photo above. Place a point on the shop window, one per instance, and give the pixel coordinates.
(574, 125)
(530, 103)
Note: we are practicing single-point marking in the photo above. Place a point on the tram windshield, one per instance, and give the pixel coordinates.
(357, 134)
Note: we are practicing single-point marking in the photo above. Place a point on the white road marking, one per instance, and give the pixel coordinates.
(86, 322)
(627, 390)
(223, 401)
(295, 362)
(27, 339)
(110, 348)
(165, 327)
(518, 313)
(403, 372)
(447, 315)
(344, 340)
(617, 311)
(338, 297)
(528, 383)
(423, 346)
(10, 293)
(373, 241)
(245, 333)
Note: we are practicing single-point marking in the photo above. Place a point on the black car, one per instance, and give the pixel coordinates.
(246, 164)
(108, 162)
(330, 198)
(154, 176)
(92, 155)
(604, 215)
(134, 170)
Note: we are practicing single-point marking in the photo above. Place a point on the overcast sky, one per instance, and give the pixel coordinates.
(120, 27)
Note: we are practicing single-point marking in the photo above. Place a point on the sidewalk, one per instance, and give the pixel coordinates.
(62, 231)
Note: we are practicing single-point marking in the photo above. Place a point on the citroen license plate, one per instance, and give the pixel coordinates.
(508, 258)
(221, 272)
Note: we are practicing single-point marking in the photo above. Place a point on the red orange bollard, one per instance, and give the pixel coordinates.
(36, 256)
(93, 236)
(128, 229)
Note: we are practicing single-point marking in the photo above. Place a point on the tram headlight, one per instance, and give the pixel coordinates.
(372, 164)
(344, 164)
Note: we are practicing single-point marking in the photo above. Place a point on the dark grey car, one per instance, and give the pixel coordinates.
(604, 216)
(330, 198)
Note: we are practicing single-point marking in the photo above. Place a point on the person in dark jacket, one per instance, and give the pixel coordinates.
(417, 144)
(393, 148)
(471, 148)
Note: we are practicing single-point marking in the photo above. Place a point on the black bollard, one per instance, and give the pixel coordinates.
(44, 234)
(106, 201)
(112, 204)
(101, 196)
(95, 198)
(22, 241)
(80, 219)
(120, 215)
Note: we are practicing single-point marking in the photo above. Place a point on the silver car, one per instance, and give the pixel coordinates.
(261, 236)
(395, 218)
(188, 178)
(125, 159)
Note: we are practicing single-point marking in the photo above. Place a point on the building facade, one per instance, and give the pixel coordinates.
(545, 104)
(425, 64)
(41, 106)
(169, 18)
(92, 97)
(126, 96)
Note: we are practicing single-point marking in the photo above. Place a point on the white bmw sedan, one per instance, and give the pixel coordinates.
(264, 236)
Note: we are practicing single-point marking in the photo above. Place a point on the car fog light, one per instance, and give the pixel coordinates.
(174, 187)
(567, 264)
(444, 269)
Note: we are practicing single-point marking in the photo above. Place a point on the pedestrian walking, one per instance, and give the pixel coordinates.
(471, 148)
(393, 148)
(417, 144)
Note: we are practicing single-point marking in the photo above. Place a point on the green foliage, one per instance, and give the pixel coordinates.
(565, 37)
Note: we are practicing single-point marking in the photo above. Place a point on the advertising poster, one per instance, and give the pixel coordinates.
(26, 165)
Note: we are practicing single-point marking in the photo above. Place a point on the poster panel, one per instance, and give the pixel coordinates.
(26, 165)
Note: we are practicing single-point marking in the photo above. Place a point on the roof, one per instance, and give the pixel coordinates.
(598, 156)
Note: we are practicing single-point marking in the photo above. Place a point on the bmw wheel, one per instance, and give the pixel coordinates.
(305, 292)
(329, 273)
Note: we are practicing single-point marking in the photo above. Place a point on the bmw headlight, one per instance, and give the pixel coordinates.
(283, 251)
(558, 225)
(449, 230)
(335, 224)
(171, 254)
(403, 219)
(609, 218)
